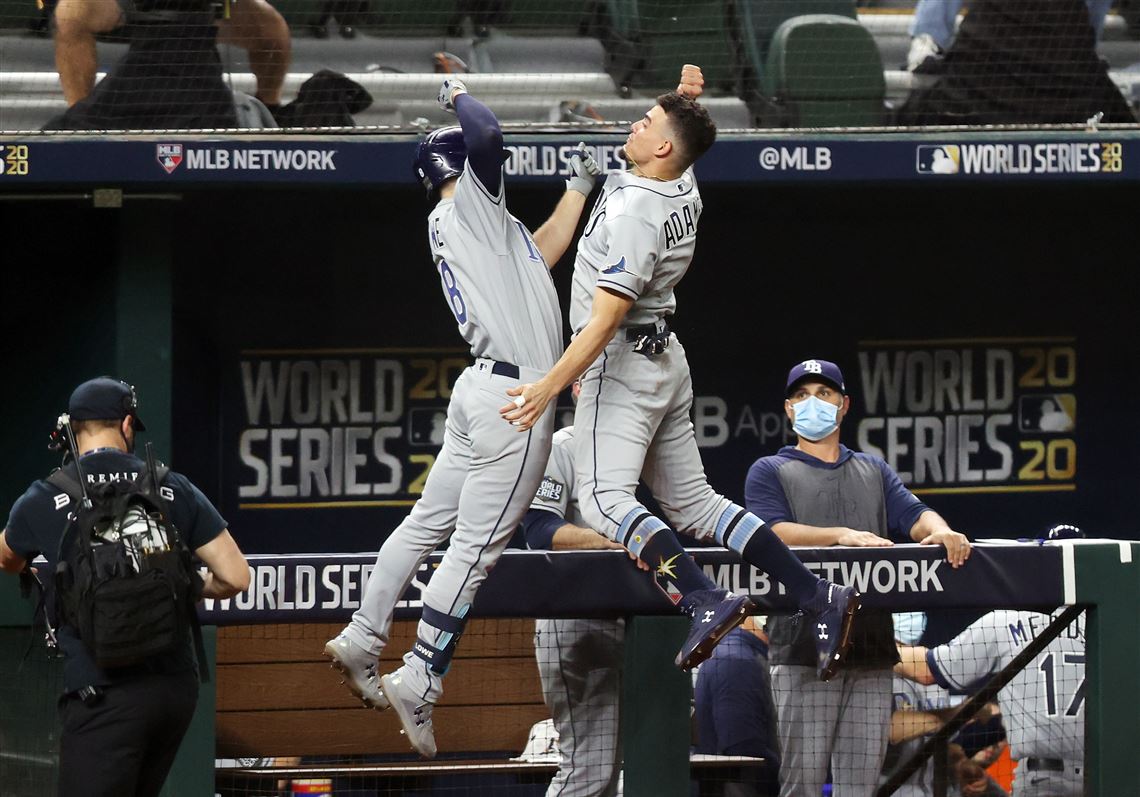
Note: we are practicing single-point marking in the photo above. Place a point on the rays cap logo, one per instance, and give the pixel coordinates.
(815, 371)
(169, 156)
(938, 159)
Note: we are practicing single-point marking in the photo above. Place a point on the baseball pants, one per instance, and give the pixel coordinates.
(844, 722)
(632, 422)
(479, 488)
(579, 664)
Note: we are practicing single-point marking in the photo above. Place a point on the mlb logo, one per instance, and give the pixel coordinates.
(938, 159)
(426, 426)
(169, 156)
(1047, 412)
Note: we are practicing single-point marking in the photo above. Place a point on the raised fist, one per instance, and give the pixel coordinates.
(448, 90)
(692, 83)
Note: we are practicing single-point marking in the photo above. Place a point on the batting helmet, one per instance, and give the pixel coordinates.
(1064, 531)
(439, 157)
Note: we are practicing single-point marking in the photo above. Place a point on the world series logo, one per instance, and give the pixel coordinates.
(938, 159)
(1020, 158)
(962, 416)
(14, 160)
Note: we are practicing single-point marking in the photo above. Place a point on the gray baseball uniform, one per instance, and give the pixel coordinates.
(579, 663)
(843, 722)
(632, 419)
(912, 696)
(1042, 707)
(500, 291)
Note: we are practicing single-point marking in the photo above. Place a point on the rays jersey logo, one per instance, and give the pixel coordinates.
(616, 267)
(549, 490)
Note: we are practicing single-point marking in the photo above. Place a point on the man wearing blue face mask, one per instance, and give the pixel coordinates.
(819, 492)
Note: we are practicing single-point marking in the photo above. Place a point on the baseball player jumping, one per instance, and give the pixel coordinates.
(495, 278)
(633, 416)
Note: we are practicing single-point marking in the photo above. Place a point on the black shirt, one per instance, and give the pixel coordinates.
(37, 522)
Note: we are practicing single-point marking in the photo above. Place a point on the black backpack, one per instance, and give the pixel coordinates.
(125, 580)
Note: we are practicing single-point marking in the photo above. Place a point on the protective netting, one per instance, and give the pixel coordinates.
(155, 64)
(29, 737)
(537, 705)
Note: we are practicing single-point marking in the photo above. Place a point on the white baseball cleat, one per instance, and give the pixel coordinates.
(414, 713)
(358, 667)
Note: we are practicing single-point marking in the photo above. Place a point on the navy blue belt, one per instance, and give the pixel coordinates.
(632, 334)
(1045, 765)
(505, 369)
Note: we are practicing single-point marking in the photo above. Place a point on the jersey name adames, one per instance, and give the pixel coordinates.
(638, 242)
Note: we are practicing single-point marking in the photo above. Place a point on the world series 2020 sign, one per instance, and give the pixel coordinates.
(972, 415)
(328, 449)
(331, 427)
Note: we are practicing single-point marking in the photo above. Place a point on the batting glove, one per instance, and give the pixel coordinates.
(450, 88)
(583, 170)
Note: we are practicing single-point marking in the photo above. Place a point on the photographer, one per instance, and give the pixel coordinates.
(171, 76)
(121, 725)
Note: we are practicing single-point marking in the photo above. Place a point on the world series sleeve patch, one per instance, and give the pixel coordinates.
(549, 490)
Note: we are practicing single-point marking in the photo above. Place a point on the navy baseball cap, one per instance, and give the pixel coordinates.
(815, 371)
(104, 399)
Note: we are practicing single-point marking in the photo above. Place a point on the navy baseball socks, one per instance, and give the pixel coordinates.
(713, 612)
(830, 606)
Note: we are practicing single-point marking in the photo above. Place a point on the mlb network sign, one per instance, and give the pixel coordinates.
(1059, 157)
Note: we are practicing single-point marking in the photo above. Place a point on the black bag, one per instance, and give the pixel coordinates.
(125, 580)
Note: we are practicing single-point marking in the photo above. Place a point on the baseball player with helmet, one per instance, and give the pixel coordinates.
(632, 421)
(495, 279)
(1043, 706)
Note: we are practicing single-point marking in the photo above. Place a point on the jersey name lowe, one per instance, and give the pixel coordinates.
(494, 278)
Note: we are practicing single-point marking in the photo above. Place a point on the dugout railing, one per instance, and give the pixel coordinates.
(1103, 576)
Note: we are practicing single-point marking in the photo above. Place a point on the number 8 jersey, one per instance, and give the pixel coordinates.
(494, 279)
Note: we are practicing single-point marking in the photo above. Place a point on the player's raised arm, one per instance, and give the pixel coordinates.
(553, 238)
(481, 133)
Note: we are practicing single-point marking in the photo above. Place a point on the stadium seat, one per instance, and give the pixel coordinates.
(565, 18)
(647, 41)
(532, 36)
(823, 71)
(299, 13)
(756, 23)
(411, 17)
(19, 15)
